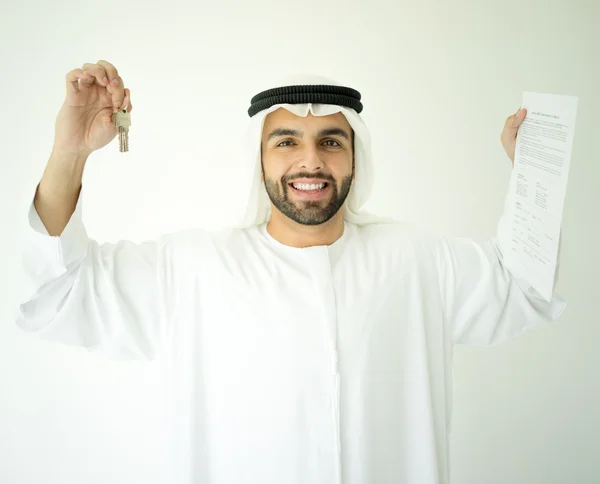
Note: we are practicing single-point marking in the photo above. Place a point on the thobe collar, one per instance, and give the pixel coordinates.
(335, 247)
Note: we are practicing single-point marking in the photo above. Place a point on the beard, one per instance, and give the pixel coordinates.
(308, 212)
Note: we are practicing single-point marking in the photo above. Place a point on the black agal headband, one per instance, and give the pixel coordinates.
(317, 94)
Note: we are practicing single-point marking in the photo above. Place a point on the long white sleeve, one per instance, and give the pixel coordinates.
(114, 298)
(486, 303)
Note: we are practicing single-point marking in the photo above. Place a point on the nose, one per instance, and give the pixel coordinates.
(311, 161)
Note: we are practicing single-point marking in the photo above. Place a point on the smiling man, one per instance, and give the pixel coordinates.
(307, 169)
(312, 343)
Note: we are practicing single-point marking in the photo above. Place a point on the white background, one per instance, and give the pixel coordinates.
(438, 81)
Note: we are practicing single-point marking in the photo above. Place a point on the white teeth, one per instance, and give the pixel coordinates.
(306, 186)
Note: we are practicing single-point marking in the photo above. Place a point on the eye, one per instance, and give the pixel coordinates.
(283, 145)
(334, 141)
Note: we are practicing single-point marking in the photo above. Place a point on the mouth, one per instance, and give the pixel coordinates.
(310, 191)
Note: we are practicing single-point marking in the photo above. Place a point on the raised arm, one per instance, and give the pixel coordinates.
(114, 298)
(485, 301)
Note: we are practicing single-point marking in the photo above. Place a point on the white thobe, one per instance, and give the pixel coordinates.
(321, 365)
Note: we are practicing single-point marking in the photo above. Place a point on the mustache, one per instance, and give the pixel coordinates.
(287, 179)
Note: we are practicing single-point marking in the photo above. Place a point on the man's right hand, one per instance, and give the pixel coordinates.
(85, 124)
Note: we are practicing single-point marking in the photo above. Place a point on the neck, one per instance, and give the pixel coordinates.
(293, 234)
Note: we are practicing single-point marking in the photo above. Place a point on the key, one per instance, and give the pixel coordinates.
(122, 122)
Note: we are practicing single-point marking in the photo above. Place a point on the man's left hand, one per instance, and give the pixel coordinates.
(509, 133)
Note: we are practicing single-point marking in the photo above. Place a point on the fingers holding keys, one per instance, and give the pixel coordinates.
(113, 82)
(73, 80)
(78, 79)
(126, 101)
(102, 74)
(93, 74)
(85, 123)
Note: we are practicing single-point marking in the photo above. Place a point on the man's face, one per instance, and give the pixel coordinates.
(308, 164)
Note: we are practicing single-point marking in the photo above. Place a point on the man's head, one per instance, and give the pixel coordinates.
(307, 164)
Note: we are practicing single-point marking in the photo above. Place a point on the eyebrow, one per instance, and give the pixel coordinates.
(299, 134)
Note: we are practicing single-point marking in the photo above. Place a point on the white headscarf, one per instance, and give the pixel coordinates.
(259, 205)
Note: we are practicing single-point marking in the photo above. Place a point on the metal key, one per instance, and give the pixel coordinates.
(122, 122)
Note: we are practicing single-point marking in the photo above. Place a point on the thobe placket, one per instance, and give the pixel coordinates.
(319, 265)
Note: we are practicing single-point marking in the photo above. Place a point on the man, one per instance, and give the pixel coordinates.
(310, 344)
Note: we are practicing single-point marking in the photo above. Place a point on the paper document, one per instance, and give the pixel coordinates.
(538, 186)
